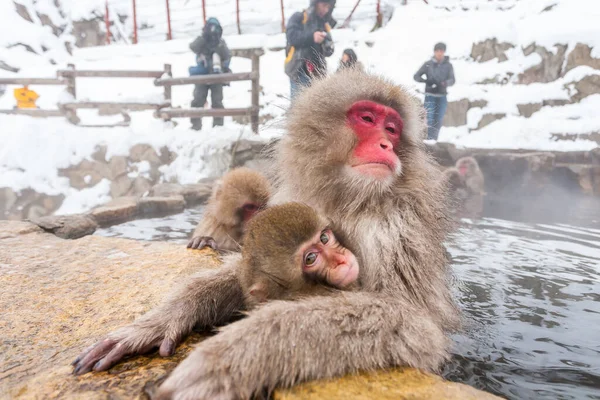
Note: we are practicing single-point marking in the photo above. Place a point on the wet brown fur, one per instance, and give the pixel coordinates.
(404, 312)
(268, 256)
(222, 219)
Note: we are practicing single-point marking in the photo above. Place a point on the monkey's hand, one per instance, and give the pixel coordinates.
(283, 343)
(200, 242)
(207, 299)
(150, 332)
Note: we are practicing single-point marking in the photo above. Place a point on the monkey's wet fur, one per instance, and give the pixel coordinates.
(354, 152)
(290, 252)
(235, 199)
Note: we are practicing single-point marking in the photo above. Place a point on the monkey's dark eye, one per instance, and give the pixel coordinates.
(310, 259)
(390, 130)
(324, 238)
(367, 118)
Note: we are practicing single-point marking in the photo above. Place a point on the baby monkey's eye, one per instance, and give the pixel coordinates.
(324, 238)
(310, 259)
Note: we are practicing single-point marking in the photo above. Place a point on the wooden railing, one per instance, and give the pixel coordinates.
(164, 78)
(254, 76)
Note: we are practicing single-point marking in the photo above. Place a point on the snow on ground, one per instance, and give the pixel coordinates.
(516, 132)
(33, 150)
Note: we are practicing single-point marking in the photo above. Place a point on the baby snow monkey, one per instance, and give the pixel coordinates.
(290, 252)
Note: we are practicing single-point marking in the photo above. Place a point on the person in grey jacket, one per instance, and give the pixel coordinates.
(437, 74)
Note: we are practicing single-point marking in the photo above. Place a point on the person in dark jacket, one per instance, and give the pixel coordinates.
(308, 43)
(437, 74)
(212, 57)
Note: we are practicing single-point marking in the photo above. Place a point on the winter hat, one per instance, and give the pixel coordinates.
(439, 46)
(330, 2)
(213, 28)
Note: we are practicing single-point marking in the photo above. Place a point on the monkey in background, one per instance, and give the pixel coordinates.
(354, 152)
(235, 199)
(466, 185)
(291, 252)
(471, 174)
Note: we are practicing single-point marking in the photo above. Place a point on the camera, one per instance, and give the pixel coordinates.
(327, 44)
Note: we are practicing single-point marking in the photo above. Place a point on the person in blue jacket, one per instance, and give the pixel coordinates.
(212, 57)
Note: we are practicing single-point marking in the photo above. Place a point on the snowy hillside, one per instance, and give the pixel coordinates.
(490, 104)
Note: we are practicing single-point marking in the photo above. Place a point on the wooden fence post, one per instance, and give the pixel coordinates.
(282, 17)
(255, 92)
(71, 87)
(169, 31)
(379, 18)
(347, 20)
(204, 11)
(71, 115)
(107, 22)
(237, 16)
(135, 36)
(167, 94)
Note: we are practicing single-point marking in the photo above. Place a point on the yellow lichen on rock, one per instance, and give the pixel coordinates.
(396, 384)
(60, 296)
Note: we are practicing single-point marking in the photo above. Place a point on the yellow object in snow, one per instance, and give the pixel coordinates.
(25, 98)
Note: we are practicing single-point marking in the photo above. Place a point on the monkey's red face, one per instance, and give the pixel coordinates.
(378, 129)
(465, 167)
(324, 259)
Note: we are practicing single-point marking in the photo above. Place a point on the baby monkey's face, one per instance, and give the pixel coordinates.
(324, 259)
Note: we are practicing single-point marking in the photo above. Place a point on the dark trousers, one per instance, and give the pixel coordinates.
(436, 108)
(216, 101)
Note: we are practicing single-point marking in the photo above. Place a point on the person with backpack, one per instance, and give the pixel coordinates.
(439, 74)
(212, 57)
(309, 42)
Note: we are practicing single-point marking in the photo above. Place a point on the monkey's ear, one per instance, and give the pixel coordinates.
(259, 292)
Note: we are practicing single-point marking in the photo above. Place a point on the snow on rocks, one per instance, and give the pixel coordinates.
(491, 44)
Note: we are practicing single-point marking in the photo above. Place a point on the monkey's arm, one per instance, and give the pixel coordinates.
(211, 233)
(208, 299)
(206, 234)
(284, 343)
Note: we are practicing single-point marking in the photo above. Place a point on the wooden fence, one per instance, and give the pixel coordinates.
(68, 78)
(169, 23)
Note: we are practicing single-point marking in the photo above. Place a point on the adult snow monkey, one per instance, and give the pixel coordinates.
(354, 152)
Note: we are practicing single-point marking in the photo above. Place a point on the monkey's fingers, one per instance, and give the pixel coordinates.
(200, 242)
(167, 347)
(85, 362)
(208, 242)
(83, 354)
(115, 355)
(192, 243)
